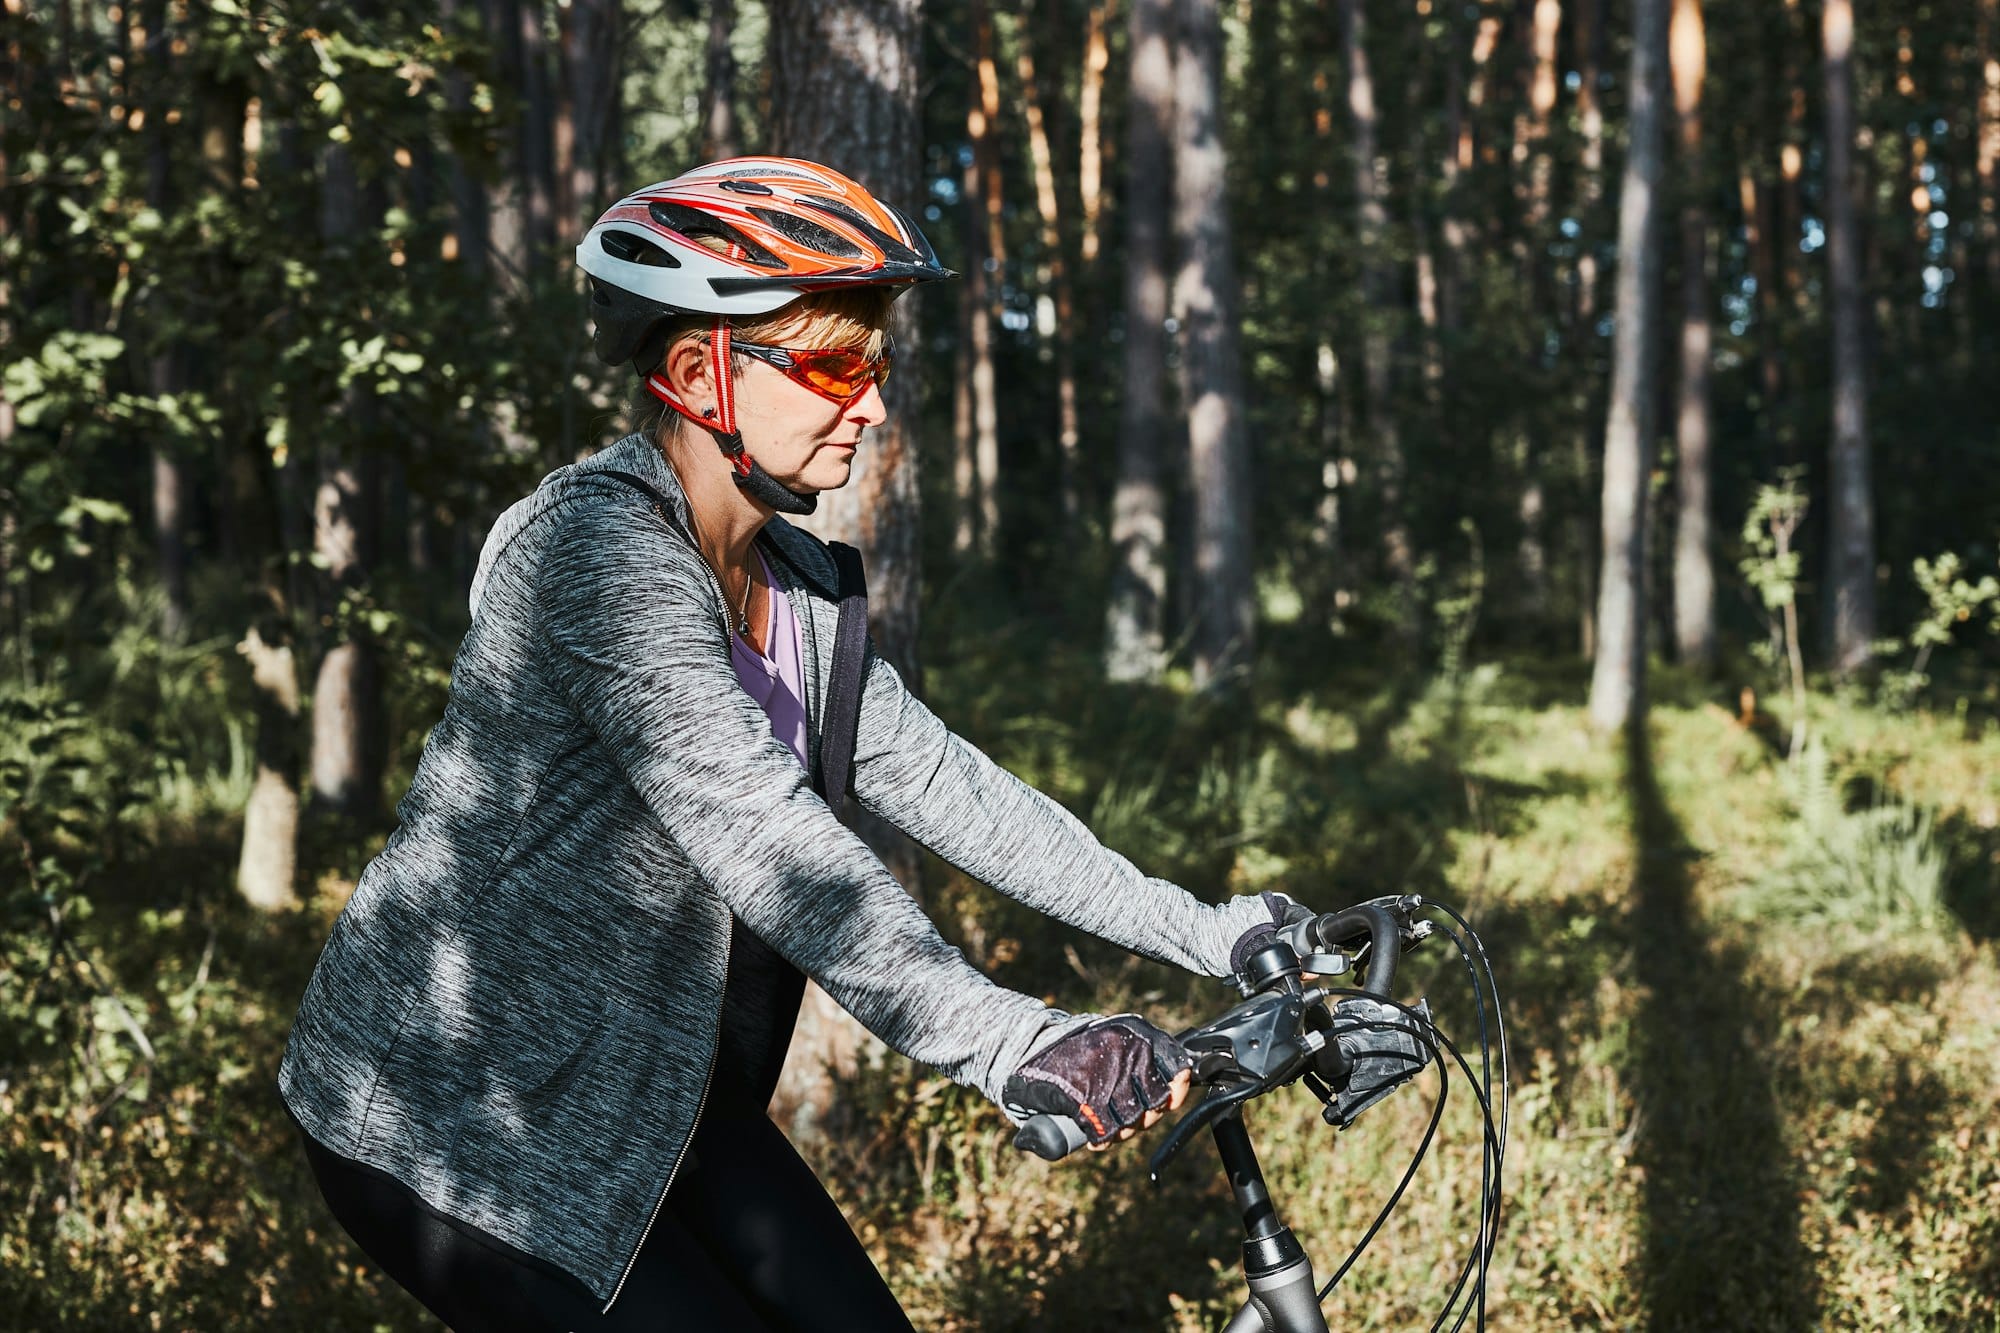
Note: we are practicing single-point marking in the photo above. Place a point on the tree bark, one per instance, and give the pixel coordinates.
(1053, 278)
(537, 130)
(167, 367)
(1988, 152)
(1618, 680)
(1377, 345)
(468, 241)
(984, 131)
(1090, 123)
(1456, 235)
(976, 452)
(267, 869)
(720, 136)
(346, 710)
(509, 232)
(1590, 191)
(1135, 613)
(1852, 523)
(1219, 470)
(846, 86)
(1694, 568)
(593, 56)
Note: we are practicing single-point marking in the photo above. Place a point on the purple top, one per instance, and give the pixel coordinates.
(776, 678)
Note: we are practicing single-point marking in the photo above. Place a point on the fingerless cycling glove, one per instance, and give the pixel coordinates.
(1105, 1076)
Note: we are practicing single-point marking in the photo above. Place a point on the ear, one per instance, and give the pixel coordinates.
(687, 370)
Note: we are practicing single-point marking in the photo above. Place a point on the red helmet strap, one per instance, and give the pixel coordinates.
(720, 420)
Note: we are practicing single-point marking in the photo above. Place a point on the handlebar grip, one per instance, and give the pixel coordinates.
(1050, 1137)
(1384, 936)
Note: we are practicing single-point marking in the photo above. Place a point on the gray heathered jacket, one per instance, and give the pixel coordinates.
(516, 1013)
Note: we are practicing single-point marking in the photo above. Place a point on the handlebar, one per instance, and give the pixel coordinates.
(1268, 1040)
(1351, 1047)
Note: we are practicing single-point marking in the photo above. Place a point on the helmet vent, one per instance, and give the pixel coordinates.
(744, 187)
(636, 250)
(892, 249)
(694, 224)
(810, 234)
(768, 169)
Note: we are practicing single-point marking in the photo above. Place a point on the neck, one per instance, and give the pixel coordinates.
(725, 519)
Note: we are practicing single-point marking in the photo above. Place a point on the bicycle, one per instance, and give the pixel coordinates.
(1352, 1046)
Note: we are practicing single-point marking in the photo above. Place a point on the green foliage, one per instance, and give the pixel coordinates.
(1769, 564)
(1877, 867)
(1952, 598)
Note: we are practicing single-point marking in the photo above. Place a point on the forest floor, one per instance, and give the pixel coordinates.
(1752, 1004)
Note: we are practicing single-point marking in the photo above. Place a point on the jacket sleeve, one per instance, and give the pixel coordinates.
(912, 771)
(633, 635)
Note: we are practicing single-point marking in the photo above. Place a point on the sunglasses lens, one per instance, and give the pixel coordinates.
(840, 373)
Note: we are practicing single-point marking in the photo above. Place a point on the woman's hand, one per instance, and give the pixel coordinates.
(1114, 1076)
(1182, 1081)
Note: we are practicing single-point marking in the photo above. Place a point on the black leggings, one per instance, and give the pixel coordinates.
(747, 1240)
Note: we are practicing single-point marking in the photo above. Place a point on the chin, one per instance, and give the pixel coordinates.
(831, 475)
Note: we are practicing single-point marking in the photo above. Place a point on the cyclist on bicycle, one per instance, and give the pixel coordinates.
(532, 1064)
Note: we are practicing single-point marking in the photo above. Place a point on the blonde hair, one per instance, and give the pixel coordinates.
(855, 317)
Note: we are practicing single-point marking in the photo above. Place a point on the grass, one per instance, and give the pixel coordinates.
(1727, 1116)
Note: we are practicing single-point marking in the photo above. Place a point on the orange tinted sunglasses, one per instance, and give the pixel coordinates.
(840, 373)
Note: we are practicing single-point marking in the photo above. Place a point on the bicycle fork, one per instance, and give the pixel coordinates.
(1283, 1298)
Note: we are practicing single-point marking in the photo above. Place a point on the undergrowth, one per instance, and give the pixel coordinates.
(1752, 1004)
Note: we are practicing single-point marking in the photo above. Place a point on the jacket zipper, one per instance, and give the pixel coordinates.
(707, 1078)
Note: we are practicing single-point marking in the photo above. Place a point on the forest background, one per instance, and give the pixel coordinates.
(1541, 454)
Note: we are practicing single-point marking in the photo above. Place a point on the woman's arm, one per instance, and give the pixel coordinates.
(630, 631)
(912, 771)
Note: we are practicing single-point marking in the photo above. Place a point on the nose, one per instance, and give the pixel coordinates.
(869, 409)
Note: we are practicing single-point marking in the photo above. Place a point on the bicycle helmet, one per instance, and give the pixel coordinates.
(788, 227)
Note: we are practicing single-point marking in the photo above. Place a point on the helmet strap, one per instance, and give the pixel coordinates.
(720, 421)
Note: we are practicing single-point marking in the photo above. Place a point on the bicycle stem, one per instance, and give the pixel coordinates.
(1283, 1298)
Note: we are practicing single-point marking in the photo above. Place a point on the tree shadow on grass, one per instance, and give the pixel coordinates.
(1972, 883)
(1722, 1248)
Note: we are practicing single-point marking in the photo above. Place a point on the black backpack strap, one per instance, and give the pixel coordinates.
(842, 714)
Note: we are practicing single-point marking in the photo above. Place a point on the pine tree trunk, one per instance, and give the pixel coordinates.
(266, 870)
(1135, 613)
(1378, 334)
(1054, 278)
(1452, 275)
(509, 231)
(1694, 568)
(1988, 152)
(469, 238)
(537, 130)
(720, 136)
(592, 56)
(846, 81)
(1584, 444)
(347, 713)
(1851, 581)
(1090, 124)
(167, 367)
(1219, 469)
(1618, 680)
(984, 132)
(976, 455)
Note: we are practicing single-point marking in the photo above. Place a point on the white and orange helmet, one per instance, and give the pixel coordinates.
(792, 227)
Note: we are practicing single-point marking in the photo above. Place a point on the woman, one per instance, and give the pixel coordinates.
(532, 1064)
